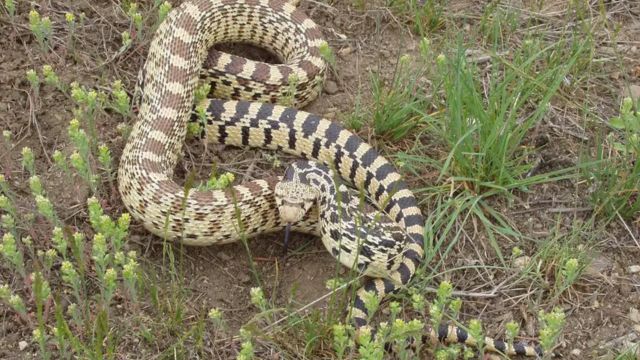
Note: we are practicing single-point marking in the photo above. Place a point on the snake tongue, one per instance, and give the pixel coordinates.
(287, 231)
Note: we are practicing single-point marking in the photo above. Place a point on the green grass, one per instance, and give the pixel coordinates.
(423, 16)
(615, 177)
(487, 116)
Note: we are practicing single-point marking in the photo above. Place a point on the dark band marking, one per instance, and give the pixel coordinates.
(315, 151)
(389, 287)
(292, 139)
(242, 109)
(310, 125)
(215, 109)
(385, 170)
(236, 65)
(245, 135)
(520, 349)
(335, 235)
(353, 170)
(288, 117)
(367, 181)
(332, 133)
(352, 144)
(358, 303)
(376, 196)
(370, 286)
(500, 346)
(265, 111)
(337, 159)
(443, 332)
(405, 273)
(268, 137)
(222, 134)
(369, 157)
(343, 247)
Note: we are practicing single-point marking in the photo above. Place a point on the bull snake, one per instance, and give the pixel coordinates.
(167, 85)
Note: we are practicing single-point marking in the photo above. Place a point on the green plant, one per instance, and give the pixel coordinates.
(34, 81)
(396, 107)
(498, 24)
(423, 15)
(136, 19)
(552, 324)
(70, 18)
(328, 55)
(120, 101)
(41, 28)
(615, 175)
(51, 78)
(28, 160)
(341, 339)
(163, 11)
(485, 136)
(10, 5)
(126, 41)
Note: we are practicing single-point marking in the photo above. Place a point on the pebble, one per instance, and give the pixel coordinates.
(633, 92)
(223, 256)
(599, 267)
(330, 115)
(330, 87)
(244, 278)
(22, 345)
(633, 269)
(634, 315)
(576, 352)
(345, 51)
(521, 262)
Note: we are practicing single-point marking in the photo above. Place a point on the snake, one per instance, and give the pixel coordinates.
(244, 109)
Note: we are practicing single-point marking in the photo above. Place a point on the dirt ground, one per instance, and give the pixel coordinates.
(600, 308)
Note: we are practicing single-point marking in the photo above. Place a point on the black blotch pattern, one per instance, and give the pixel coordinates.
(332, 133)
(310, 125)
(369, 157)
(292, 139)
(245, 135)
(315, 152)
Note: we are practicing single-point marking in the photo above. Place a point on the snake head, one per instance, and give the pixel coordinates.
(294, 194)
(294, 199)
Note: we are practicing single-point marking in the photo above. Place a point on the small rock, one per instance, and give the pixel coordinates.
(625, 290)
(633, 269)
(599, 267)
(22, 345)
(330, 115)
(521, 262)
(576, 352)
(330, 87)
(223, 256)
(633, 92)
(634, 315)
(636, 328)
(345, 51)
(244, 278)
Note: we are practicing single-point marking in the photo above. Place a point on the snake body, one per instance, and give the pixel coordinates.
(167, 85)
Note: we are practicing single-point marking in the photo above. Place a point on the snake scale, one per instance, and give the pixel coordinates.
(167, 83)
